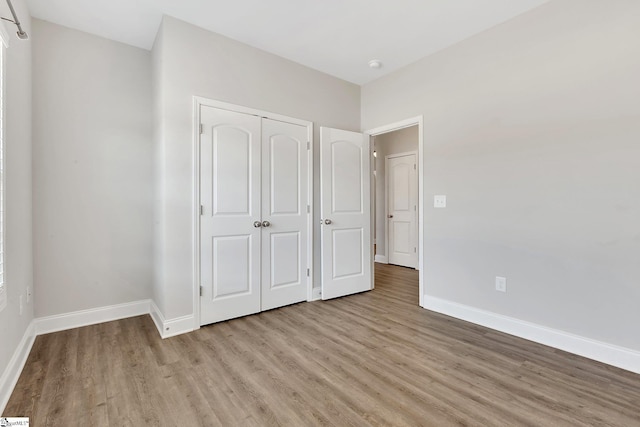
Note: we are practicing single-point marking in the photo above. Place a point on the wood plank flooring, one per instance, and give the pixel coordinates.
(369, 359)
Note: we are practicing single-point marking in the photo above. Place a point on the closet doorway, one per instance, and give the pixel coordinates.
(254, 211)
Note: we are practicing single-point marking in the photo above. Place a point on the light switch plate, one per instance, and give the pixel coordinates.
(501, 284)
(440, 201)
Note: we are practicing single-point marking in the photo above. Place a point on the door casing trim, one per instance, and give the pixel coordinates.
(419, 121)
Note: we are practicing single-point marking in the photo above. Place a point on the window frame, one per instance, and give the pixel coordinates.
(4, 44)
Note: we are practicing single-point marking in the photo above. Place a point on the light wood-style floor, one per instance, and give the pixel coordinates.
(369, 359)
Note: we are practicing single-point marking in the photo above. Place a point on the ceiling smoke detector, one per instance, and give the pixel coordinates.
(375, 64)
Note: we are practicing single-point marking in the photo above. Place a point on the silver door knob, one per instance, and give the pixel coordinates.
(327, 221)
(389, 216)
(266, 224)
(257, 224)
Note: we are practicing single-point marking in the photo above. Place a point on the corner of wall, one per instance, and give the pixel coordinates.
(10, 376)
(171, 327)
(16, 331)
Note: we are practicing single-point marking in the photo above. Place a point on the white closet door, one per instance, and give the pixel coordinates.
(346, 212)
(284, 213)
(230, 196)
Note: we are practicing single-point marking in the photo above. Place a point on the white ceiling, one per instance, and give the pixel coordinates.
(337, 37)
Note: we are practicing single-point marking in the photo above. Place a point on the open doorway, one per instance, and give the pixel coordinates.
(396, 197)
(397, 200)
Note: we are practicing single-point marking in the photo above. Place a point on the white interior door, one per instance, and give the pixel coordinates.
(284, 213)
(402, 209)
(230, 198)
(345, 213)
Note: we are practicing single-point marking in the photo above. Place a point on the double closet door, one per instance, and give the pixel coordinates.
(254, 214)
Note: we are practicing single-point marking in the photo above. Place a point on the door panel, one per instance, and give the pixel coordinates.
(347, 253)
(231, 163)
(285, 262)
(345, 212)
(402, 196)
(284, 167)
(402, 238)
(230, 196)
(400, 174)
(346, 179)
(284, 207)
(231, 266)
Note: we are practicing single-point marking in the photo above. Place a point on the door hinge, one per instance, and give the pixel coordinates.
(415, 250)
(201, 290)
(201, 210)
(307, 272)
(308, 208)
(414, 166)
(201, 129)
(308, 145)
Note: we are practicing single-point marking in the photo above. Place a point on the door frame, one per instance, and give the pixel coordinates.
(419, 121)
(198, 102)
(386, 197)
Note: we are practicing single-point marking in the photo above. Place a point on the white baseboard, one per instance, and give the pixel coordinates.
(11, 374)
(157, 317)
(171, 327)
(77, 319)
(177, 326)
(316, 294)
(620, 357)
(382, 259)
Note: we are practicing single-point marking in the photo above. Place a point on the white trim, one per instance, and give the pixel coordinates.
(402, 124)
(382, 259)
(620, 357)
(4, 35)
(310, 266)
(178, 326)
(422, 200)
(78, 319)
(406, 153)
(198, 102)
(247, 110)
(3, 151)
(172, 327)
(157, 317)
(316, 294)
(11, 374)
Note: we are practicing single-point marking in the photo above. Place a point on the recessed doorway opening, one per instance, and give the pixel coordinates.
(397, 200)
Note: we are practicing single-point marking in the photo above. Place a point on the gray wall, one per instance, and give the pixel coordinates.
(92, 171)
(400, 141)
(532, 130)
(197, 62)
(17, 138)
